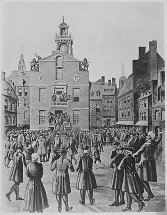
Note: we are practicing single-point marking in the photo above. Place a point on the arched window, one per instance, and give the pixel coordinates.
(6, 120)
(63, 48)
(10, 120)
(59, 61)
(25, 92)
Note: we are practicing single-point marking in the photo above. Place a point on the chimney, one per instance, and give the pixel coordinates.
(113, 81)
(153, 46)
(153, 59)
(141, 52)
(103, 78)
(109, 82)
(3, 76)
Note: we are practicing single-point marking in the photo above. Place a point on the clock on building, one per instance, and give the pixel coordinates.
(76, 78)
(42, 78)
(20, 82)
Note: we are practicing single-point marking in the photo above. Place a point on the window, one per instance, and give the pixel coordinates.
(13, 106)
(6, 120)
(145, 117)
(10, 120)
(42, 95)
(122, 112)
(76, 117)
(128, 111)
(145, 103)
(162, 115)
(25, 114)
(59, 74)
(125, 112)
(108, 109)
(108, 100)
(111, 109)
(20, 103)
(76, 95)
(98, 93)
(125, 100)
(120, 102)
(59, 61)
(156, 114)
(20, 92)
(25, 92)
(97, 108)
(13, 120)
(159, 93)
(104, 108)
(42, 117)
(10, 106)
(6, 104)
(128, 98)
(142, 116)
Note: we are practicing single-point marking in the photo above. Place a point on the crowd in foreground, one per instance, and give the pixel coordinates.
(132, 157)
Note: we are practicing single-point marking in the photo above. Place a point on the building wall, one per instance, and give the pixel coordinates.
(123, 105)
(48, 71)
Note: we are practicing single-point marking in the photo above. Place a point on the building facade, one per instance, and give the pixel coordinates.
(145, 112)
(9, 104)
(21, 79)
(103, 103)
(60, 86)
(126, 112)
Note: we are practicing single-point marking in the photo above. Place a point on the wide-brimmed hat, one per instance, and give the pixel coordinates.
(86, 148)
(34, 156)
(151, 134)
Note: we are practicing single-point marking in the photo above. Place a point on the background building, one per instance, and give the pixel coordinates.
(103, 103)
(60, 86)
(21, 79)
(9, 104)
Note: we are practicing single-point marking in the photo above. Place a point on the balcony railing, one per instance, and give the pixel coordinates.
(58, 103)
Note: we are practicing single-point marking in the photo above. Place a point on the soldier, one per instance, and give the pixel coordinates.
(86, 179)
(96, 155)
(61, 180)
(131, 182)
(41, 148)
(147, 166)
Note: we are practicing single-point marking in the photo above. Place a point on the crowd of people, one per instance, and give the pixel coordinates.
(132, 157)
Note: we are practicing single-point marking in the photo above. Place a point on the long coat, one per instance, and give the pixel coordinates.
(118, 175)
(41, 147)
(16, 171)
(35, 198)
(61, 179)
(147, 166)
(85, 179)
(131, 181)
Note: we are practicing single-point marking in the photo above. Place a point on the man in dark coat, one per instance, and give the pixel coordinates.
(117, 178)
(16, 172)
(147, 166)
(131, 182)
(86, 179)
(61, 180)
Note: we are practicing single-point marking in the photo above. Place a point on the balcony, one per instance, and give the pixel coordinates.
(55, 103)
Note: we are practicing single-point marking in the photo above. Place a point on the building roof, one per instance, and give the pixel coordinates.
(7, 90)
(15, 78)
(122, 78)
(128, 86)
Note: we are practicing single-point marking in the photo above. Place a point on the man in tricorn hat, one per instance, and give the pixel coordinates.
(16, 172)
(86, 179)
(61, 180)
(131, 181)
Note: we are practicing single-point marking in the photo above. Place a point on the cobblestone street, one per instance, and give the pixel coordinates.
(103, 194)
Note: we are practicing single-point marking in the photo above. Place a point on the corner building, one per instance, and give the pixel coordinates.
(60, 74)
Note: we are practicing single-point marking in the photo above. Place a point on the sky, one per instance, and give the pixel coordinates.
(108, 34)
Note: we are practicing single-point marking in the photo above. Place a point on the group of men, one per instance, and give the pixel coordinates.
(132, 157)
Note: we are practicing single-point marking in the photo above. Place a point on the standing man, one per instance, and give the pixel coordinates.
(147, 166)
(16, 172)
(61, 180)
(86, 179)
(131, 182)
(41, 148)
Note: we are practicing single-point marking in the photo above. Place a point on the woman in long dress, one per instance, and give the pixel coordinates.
(35, 195)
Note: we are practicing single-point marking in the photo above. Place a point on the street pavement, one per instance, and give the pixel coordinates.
(103, 194)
